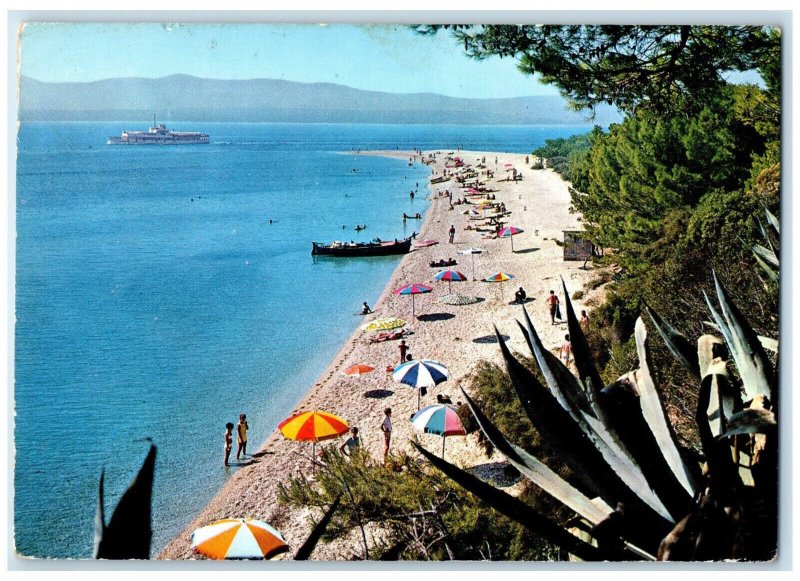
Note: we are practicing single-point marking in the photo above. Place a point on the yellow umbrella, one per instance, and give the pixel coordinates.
(384, 324)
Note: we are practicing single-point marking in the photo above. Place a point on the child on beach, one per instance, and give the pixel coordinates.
(352, 443)
(403, 350)
(242, 436)
(386, 428)
(228, 441)
(452, 232)
(566, 352)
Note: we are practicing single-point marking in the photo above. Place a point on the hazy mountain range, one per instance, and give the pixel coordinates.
(187, 98)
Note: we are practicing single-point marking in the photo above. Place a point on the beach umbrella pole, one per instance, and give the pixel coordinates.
(444, 439)
(512, 242)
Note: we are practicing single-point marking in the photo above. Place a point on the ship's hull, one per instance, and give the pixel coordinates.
(157, 140)
(364, 249)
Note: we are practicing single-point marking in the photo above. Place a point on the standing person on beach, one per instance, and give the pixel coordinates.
(228, 436)
(552, 300)
(386, 428)
(403, 350)
(566, 352)
(452, 232)
(241, 430)
(584, 320)
(352, 443)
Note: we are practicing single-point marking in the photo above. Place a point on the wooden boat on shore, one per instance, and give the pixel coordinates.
(351, 249)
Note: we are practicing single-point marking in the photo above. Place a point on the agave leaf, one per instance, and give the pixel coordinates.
(129, 531)
(560, 380)
(766, 254)
(99, 516)
(582, 354)
(538, 472)
(653, 412)
(767, 343)
(516, 510)
(600, 432)
(750, 421)
(770, 272)
(723, 473)
(773, 220)
(599, 468)
(764, 235)
(678, 345)
(304, 552)
(751, 361)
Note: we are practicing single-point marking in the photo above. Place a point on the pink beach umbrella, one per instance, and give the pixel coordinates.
(508, 232)
(413, 289)
(450, 276)
(441, 419)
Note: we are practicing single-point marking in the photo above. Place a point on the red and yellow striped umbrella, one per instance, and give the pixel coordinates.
(313, 426)
(238, 538)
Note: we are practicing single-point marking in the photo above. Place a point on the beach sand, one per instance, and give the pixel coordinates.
(457, 336)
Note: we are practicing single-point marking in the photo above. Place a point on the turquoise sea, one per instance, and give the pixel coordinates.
(154, 298)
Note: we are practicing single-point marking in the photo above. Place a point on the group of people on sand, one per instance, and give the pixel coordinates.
(241, 438)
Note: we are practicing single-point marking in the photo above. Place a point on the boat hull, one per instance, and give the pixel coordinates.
(357, 250)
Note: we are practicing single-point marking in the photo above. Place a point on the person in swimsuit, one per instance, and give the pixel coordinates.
(386, 428)
(552, 300)
(228, 441)
(352, 443)
(566, 351)
(242, 436)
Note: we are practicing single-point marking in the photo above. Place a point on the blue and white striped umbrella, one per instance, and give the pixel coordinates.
(423, 373)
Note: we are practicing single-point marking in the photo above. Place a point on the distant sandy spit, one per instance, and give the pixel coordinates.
(457, 336)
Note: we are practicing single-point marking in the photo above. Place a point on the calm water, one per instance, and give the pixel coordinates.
(155, 299)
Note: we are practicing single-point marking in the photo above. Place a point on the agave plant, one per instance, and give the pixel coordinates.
(637, 495)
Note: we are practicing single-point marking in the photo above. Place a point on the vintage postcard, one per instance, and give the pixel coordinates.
(345, 292)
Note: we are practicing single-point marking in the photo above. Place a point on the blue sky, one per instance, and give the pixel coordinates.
(371, 57)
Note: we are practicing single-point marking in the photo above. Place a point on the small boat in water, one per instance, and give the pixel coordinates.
(351, 249)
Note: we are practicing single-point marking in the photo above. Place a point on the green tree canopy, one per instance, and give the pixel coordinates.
(666, 67)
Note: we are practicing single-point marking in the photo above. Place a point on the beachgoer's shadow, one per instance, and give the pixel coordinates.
(378, 393)
(262, 454)
(435, 317)
(489, 339)
(525, 301)
(526, 250)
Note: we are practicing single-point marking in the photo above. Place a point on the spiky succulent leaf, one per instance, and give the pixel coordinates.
(766, 254)
(600, 432)
(516, 510)
(679, 346)
(769, 271)
(304, 552)
(591, 459)
(773, 220)
(751, 361)
(538, 472)
(581, 353)
(767, 343)
(129, 531)
(750, 421)
(653, 412)
(99, 515)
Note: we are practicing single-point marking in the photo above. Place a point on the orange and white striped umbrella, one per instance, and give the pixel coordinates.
(238, 538)
(358, 369)
(313, 426)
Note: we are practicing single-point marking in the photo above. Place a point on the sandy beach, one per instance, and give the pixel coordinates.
(457, 336)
